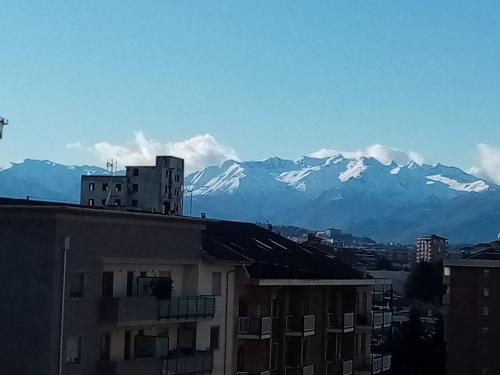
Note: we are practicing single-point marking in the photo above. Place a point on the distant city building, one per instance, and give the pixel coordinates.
(431, 249)
(157, 189)
(473, 295)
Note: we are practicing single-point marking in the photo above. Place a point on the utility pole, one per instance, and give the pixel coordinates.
(3, 122)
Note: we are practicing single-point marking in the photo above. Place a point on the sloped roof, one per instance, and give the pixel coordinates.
(271, 256)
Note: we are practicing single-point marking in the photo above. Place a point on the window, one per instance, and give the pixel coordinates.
(216, 283)
(76, 281)
(91, 202)
(130, 283)
(446, 271)
(107, 284)
(134, 203)
(91, 186)
(118, 187)
(214, 337)
(135, 172)
(177, 178)
(118, 202)
(105, 347)
(105, 186)
(486, 311)
(486, 292)
(135, 188)
(176, 192)
(486, 273)
(73, 350)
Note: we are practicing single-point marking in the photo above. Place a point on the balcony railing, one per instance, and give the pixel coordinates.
(341, 322)
(134, 309)
(377, 318)
(190, 363)
(187, 307)
(386, 362)
(254, 327)
(339, 368)
(387, 319)
(264, 372)
(377, 363)
(300, 325)
(299, 370)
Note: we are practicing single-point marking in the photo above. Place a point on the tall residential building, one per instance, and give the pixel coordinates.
(106, 292)
(157, 189)
(431, 249)
(473, 295)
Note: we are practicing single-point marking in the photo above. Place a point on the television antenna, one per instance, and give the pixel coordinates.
(3, 122)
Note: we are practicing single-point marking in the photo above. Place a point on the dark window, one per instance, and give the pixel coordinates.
(76, 284)
(134, 203)
(135, 172)
(216, 283)
(105, 347)
(176, 208)
(118, 202)
(130, 283)
(186, 338)
(107, 284)
(105, 186)
(91, 202)
(126, 345)
(118, 187)
(91, 186)
(177, 178)
(74, 350)
(166, 207)
(103, 202)
(135, 188)
(214, 337)
(176, 192)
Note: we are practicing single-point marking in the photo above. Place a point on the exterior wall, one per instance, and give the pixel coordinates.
(112, 195)
(31, 240)
(431, 249)
(472, 336)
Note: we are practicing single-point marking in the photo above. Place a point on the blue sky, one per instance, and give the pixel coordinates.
(263, 78)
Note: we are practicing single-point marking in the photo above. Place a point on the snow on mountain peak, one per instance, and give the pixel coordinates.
(475, 186)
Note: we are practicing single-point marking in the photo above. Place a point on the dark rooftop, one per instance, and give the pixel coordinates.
(270, 255)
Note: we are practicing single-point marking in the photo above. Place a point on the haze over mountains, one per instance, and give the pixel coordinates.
(388, 202)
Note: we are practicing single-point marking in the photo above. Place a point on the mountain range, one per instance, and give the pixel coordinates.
(387, 202)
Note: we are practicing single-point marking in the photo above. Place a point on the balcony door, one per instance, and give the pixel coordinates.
(186, 339)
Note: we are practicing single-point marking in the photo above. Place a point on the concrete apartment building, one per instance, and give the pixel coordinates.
(432, 249)
(245, 300)
(157, 188)
(473, 296)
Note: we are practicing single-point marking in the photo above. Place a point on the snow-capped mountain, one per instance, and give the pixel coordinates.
(361, 195)
(388, 202)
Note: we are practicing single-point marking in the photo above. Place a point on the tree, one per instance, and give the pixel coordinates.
(425, 283)
(384, 264)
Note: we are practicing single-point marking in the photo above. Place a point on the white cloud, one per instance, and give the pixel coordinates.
(77, 145)
(383, 154)
(198, 151)
(489, 162)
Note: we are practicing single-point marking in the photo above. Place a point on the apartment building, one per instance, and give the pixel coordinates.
(432, 248)
(473, 296)
(298, 310)
(86, 292)
(157, 188)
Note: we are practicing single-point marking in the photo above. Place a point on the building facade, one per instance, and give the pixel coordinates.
(473, 296)
(108, 292)
(157, 189)
(431, 249)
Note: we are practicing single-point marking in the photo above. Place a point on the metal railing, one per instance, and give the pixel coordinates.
(386, 362)
(339, 367)
(192, 363)
(376, 363)
(387, 319)
(341, 321)
(187, 307)
(299, 370)
(306, 323)
(254, 326)
(377, 318)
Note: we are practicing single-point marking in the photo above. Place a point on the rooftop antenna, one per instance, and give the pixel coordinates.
(3, 122)
(111, 167)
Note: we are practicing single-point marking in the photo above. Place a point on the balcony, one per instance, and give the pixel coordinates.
(340, 323)
(299, 370)
(254, 328)
(300, 325)
(193, 363)
(130, 310)
(339, 368)
(386, 362)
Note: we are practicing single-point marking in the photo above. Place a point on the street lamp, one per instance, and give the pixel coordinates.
(3, 122)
